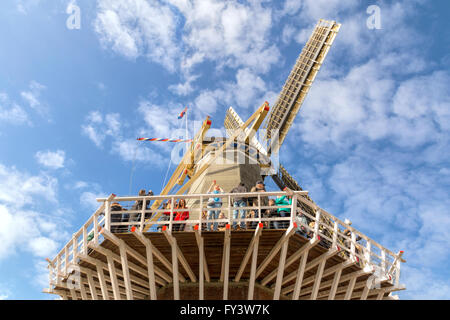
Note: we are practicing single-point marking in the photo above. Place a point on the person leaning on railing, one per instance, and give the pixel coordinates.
(239, 202)
(117, 217)
(166, 214)
(253, 201)
(214, 203)
(284, 212)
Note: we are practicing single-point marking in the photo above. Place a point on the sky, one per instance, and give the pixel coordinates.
(81, 80)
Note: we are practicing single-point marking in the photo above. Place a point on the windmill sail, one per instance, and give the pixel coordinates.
(300, 80)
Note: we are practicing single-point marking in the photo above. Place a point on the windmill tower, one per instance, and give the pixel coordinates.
(240, 157)
(318, 257)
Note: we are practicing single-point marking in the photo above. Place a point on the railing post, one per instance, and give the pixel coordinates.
(335, 234)
(352, 246)
(96, 228)
(259, 208)
(368, 252)
(397, 273)
(317, 222)
(383, 261)
(66, 259)
(58, 268)
(74, 247)
(171, 214)
(144, 206)
(293, 208)
(229, 210)
(200, 213)
(85, 239)
(108, 215)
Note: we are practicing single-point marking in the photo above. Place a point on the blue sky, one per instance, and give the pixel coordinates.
(371, 142)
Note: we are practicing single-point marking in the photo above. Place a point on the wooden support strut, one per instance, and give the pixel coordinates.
(285, 237)
(249, 252)
(171, 239)
(225, 273)
(251, 285)
(120, 243)
(199, 239)
(150, 265)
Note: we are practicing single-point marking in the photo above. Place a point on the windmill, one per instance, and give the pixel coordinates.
(327, 264)
(200, 163)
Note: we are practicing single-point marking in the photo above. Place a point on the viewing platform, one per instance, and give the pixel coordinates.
(132, 254)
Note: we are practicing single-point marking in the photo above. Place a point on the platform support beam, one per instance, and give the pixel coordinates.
(312, 264)
(300, 274)
(120, 243)
(335, 284)
(292, 259)
(92, 286)
(249, 251)
(113, 276)
(319, 274)
(150, 265)
(126, 271)
(101, 278)
(224, 276)
(255, 241)
(280, 273)
(198, 237)
(171, 239)
(284, 238)
(350, 287)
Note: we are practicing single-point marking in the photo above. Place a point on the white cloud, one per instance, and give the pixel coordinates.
(18, 189)
(98, 127)
(33, 95)
(11, 112)
(138, 27)
(52, 160)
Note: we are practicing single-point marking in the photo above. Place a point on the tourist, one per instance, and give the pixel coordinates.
(214, 203)
(272, 213)
(239, 202)
(136, 216)
(284, 212)
(180, 216)
(166, 214)
(118, 217)
(222, 225)
(259, 187)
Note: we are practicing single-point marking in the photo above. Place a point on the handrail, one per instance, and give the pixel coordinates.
(328, 228)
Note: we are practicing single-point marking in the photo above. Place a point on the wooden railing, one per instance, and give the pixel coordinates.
(332, 232)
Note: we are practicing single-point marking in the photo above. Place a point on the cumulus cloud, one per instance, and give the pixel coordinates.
(21, 199)
(138, 27)
(50, 159)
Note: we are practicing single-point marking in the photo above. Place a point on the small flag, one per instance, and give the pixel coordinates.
(181, 115)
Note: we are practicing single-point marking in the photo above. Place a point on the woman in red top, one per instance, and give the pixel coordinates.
(181, 216)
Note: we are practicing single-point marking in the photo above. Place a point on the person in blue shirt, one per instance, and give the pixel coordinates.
(214, 203)
(283, 212)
